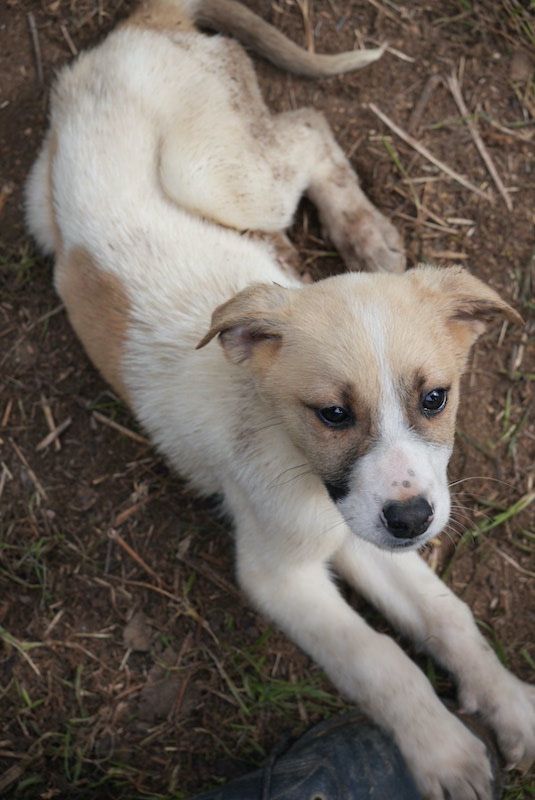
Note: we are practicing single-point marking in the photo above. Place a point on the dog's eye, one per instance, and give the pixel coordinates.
(335, 416)
(434, 402)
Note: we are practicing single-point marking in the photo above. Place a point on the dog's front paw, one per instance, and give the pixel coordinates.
(368, 236)
(508, 706)
(452, 764)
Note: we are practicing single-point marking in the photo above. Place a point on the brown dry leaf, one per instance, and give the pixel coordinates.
(137, 634)
(87, 497)
(159, 695)
(522, 66)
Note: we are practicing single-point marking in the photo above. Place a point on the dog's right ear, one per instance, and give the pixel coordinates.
(251, 324)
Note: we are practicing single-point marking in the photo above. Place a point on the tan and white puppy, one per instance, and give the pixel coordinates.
(325, 414)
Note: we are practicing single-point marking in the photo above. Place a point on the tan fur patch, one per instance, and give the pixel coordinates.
(160, 15)
(98, 309)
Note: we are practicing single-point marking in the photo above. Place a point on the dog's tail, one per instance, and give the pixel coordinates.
(228, 16)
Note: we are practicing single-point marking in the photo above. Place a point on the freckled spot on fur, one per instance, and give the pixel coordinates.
(283, 173)
(411, 472)
(395, 483)
(342, 176)
(406, 484)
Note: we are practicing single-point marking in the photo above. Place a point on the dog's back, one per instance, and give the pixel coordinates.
(154, 131)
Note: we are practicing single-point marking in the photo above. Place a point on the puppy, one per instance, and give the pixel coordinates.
(324, 413)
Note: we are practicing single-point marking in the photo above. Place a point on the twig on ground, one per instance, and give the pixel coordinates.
(206, 572)
(527, 283)
(13, 774)
(116, 537)
(334, 9)
(3, 478)
(448, 255)
(384, 10)
(30, 328)
(455, 89)
(50, 421)
(303, 715)
(417, 223)
(519, 350)
(393, 51)
(136, 437)
(426, 154)
(229, 682)
(52, 624)
(402, 56)
(510, 560)
(304, 8)
(53, 436)
(7, 413)
(31, 474)
(122, 516)
(44, 317)
(522, 136)
(67, 36)
(21, 647)
(426, 212)
(36, 47)
(418, 110)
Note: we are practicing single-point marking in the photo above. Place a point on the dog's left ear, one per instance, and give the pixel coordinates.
(251, 324)
(468, 303)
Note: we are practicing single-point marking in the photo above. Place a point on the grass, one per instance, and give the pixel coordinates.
(17, 265)
(511, 19)
(486, 525)
(519, 788)
(520, 18)
(502, 517)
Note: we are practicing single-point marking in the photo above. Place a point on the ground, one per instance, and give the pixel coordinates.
(131, 665)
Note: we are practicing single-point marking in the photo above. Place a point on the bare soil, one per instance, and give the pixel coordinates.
(131, 665)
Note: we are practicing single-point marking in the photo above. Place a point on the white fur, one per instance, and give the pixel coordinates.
(399, 455)
(135, 120)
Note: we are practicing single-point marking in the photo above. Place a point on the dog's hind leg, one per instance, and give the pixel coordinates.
(363, 236)
(249, 170)
(224, 157)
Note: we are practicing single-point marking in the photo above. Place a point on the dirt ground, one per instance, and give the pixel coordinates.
(131, 666)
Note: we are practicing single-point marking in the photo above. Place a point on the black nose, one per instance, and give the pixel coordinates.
(408, 519)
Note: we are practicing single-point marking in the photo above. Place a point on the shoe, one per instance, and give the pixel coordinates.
(343, 758)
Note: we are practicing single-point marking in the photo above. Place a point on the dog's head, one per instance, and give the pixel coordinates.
(364, 372)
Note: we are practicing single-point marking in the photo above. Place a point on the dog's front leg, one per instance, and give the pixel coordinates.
(408, 592)
(369, 668)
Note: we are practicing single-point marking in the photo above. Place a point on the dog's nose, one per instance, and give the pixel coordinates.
(407, 519)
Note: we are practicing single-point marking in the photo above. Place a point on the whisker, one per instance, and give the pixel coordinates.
(294, 478)
(464, 520)
(284, 471)
(337, 524)
(470, 517)
(453, 525)
(265, 427)
(452, 534)
(449, 537)
(481, 478)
